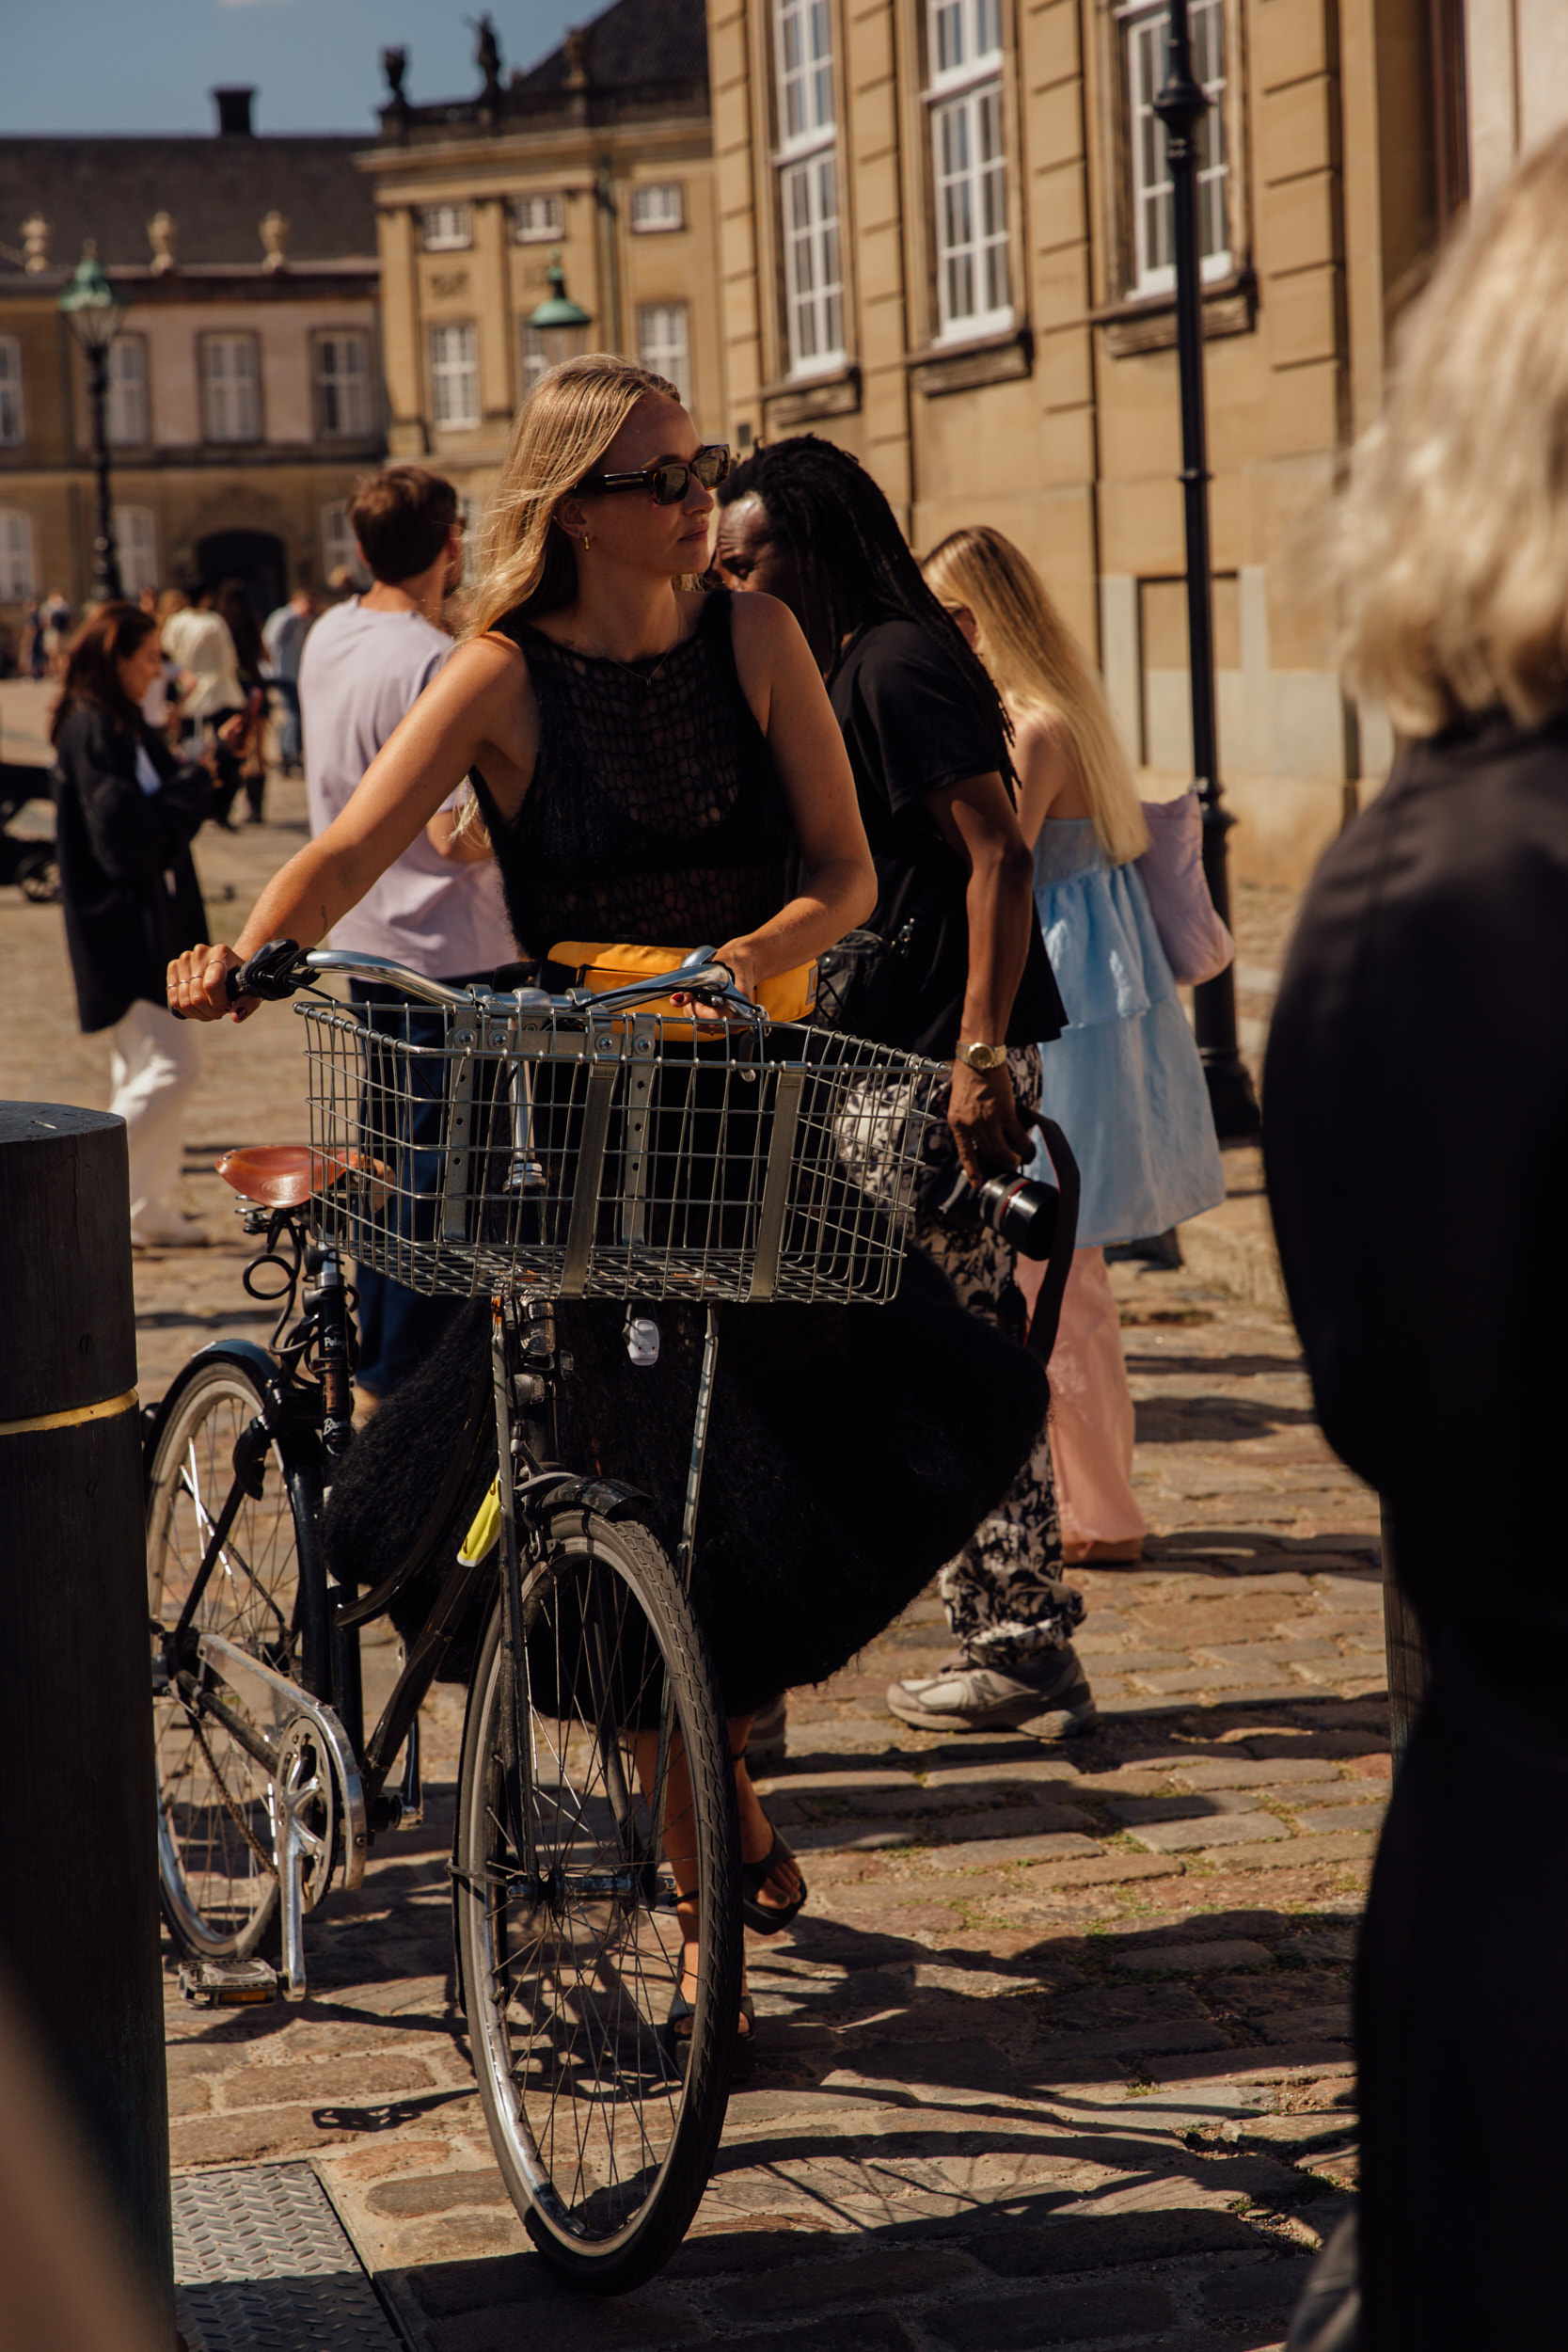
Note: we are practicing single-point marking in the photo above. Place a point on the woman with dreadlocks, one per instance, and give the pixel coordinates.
(661, 767)
(928, 737)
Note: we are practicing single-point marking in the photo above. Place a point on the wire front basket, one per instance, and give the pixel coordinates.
(614, 1156)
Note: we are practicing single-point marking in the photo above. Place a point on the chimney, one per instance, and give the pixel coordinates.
(234, 110)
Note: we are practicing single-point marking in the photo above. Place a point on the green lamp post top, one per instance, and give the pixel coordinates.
(89, 302)
(558, 309)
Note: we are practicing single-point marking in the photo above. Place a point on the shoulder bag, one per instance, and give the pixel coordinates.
(1196, 943)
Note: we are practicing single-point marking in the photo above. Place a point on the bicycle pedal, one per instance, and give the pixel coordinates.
(229, 1984)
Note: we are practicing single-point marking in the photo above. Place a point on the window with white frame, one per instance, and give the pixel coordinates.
(536, 218)
(808, 184)
(969, 167)
(136, 538)
(342, 387)
(127, 421)
(13, 420)
(339, 547)
(658, 205)
(18, 580)
(447, 228)
(454, 376)
(535, 357)
(1146, 33)
(663, 343)
(230, 389)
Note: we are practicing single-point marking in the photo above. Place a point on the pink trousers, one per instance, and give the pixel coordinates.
(1091, 1407)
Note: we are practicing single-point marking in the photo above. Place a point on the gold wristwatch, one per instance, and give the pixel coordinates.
(981, 1058)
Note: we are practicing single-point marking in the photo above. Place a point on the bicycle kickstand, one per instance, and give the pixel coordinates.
(290, 1900)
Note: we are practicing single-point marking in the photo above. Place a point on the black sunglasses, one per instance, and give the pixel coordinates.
(668, 481)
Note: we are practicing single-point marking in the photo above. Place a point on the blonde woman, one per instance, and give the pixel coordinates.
(654, 765)
(1123, 1081)
(1417, 1140)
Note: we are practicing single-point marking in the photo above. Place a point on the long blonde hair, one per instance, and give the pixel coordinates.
(561, 433)
(1446, 549)
(1033, 656)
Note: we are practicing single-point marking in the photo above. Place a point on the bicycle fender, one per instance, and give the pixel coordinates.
(255, 1359)
(609, 1498)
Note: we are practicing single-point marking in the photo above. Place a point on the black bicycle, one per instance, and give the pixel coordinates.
(587, 1146)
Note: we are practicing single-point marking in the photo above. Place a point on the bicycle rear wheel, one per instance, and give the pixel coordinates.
(266, 1594)
(567, 1935)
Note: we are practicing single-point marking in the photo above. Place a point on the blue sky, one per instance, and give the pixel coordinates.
(147, 65)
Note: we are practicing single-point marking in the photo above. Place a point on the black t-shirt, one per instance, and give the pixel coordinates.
(914, 725)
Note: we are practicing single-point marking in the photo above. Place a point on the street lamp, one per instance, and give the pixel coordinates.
(560, 324)
(1181, 107)
(92, 312)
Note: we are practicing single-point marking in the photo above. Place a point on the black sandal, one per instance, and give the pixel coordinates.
(767, 1918)
(678, 2047)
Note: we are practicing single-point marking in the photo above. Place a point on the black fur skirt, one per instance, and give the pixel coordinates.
(852, 1451)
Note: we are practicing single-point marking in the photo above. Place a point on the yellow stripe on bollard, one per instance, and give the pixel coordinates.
(74, 1420)
(485, 1531)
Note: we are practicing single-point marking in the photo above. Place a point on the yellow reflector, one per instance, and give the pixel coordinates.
(485, 1531)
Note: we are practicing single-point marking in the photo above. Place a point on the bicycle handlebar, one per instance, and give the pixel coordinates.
(279, 970)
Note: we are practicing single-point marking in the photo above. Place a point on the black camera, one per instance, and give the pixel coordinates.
(1020, 1208)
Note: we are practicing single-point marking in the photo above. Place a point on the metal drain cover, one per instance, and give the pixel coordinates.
(263, 2263)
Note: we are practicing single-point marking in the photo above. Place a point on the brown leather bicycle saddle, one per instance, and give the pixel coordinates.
(285, 1175)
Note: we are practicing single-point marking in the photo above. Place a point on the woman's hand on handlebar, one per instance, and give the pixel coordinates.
(199, 985)
(740, 961)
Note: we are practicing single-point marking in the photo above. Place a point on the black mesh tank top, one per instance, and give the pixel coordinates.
(655, 815)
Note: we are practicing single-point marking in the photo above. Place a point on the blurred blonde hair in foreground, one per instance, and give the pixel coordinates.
(1038, 664)
(1447, 546)
(64, 2283)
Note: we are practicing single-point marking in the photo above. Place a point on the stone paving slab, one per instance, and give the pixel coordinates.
(1021, 2086)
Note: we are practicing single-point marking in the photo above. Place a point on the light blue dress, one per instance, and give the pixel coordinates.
(1123, 1081)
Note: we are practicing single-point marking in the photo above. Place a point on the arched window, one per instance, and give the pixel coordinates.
(18, 578)
(13, 420)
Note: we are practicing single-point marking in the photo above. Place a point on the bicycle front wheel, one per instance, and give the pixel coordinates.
(598, 1731)
(264, 1592)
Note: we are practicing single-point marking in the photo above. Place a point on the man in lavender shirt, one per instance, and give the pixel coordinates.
(438, 910)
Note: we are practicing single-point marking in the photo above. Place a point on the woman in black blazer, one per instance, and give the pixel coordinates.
(126, 813)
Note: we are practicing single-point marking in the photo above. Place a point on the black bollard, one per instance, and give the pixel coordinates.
(78, 1846)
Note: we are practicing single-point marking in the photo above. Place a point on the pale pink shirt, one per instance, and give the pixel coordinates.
(359, 674)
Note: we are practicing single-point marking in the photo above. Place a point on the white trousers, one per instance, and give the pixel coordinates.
(154, 1061)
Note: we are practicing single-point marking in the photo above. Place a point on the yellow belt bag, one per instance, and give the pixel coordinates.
(588, 963)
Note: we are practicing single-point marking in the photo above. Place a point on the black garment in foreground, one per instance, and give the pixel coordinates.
(127, 879)
(852, 1449)
(1417, 1140)
(912, 725)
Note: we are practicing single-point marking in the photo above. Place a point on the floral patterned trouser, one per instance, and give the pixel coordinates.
(1003, 1592)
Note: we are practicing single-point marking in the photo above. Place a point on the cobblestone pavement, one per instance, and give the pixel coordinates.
(1056, 2056)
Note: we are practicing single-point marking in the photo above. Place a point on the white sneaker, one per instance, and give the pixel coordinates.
(1055, 1700)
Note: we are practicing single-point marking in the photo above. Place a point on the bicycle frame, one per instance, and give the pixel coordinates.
(312, 1418)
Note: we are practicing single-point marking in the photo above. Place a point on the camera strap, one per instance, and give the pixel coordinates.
(1041, 1335)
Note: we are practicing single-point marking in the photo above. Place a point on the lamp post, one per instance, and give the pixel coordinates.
(92, 312)
(560, 324)
(1182, 105)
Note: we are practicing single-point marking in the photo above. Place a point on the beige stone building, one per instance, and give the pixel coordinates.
(946, 240)
(244, 396)
(599, 155)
